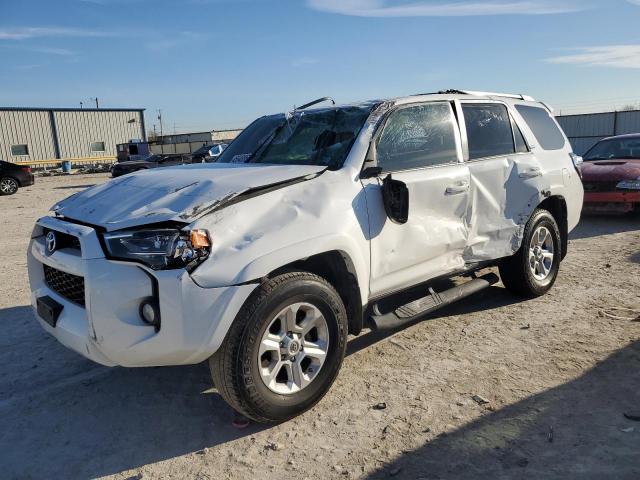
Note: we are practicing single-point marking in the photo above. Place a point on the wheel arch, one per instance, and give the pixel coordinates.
(337, 268)
(556, 205)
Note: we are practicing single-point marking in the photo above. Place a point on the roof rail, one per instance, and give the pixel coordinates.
(315, 102)
(490, 94)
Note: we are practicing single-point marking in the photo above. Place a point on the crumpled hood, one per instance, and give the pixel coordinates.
(611, 170)
(181, 194)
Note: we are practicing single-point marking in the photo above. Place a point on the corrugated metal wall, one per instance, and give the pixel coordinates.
(584, 131)
(76, 131)
(31, 128)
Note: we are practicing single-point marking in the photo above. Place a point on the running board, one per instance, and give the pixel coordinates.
(419, 308)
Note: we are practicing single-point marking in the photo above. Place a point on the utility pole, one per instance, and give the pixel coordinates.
(160, 119)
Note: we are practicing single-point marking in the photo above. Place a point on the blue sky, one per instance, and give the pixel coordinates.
(220, 63)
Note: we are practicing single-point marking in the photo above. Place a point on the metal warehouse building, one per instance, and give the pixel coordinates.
(48, 135)
(584, 131)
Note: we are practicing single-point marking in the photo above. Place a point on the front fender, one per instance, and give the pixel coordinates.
(262, 266)
(259, 235)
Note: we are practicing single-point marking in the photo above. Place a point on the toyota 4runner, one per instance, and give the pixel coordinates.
(310, 227)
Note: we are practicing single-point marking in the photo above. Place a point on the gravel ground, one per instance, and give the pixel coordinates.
(555, 376)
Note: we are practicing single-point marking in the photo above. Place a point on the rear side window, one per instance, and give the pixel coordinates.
(418, 136)
(489, 131)
(543, 127)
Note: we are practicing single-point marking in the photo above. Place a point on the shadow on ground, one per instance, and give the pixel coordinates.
(597, 225)
(63, 416)
(491, 298)
(577, 430)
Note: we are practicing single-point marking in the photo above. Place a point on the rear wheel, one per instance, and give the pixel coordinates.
(533, 270)
(8, 186)
(284, 349)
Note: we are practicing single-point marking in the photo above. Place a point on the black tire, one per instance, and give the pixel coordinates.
(234, 367)
(515, 271)
(8, 186)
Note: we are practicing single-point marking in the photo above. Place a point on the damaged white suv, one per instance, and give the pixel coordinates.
(312, 225)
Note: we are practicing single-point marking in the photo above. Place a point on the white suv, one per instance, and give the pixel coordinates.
(312, 225)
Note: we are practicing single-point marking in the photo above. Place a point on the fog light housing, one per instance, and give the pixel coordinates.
(150, 312)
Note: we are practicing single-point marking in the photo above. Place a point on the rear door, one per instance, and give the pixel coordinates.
(420, 145)
(505, 180)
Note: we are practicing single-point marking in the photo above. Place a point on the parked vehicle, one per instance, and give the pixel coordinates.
(153, 161)
(208, 153)
(611, 175)
(132, 150)
(13, 176)
(312, 225)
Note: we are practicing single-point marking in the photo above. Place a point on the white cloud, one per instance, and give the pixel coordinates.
(617, 56)
(53, 51)
(24, 33)
(304, 62)
(424, 8)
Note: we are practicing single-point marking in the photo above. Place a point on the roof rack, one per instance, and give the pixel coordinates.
(315, 102)
(489, 94)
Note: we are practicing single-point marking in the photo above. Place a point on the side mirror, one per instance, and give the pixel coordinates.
(395, 196)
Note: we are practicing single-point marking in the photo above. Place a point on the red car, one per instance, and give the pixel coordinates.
(611, 175)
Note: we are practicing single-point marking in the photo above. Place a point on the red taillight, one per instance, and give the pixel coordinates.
(26, 169)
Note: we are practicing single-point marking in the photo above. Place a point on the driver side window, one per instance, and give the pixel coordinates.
(418, 136)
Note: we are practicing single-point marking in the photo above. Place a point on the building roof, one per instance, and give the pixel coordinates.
(48, 109)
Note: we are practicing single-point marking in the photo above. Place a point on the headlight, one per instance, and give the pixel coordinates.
(629, 185)
(160, 249)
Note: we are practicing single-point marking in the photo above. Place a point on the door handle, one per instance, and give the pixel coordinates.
(457, 189)
(531, 173)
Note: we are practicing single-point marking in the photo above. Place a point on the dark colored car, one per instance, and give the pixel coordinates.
(208, 153)
(14, 176)
(154, 161)
(611, 175)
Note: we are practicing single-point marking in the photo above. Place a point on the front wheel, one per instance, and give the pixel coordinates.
(533, 269)
(8, 186)
(284, 349)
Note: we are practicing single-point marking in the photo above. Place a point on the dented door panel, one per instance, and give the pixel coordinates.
(433, 240)
(504, 192)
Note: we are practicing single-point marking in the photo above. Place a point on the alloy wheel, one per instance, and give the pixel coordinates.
(541, 253)
(8, 186)
(293, 348)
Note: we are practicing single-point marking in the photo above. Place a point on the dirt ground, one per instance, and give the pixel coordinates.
(558, 373)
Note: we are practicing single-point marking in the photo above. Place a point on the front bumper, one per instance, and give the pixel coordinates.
(108, 328)
(622, 202)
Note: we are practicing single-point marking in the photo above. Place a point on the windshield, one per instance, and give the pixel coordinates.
(320, 137)
(618, 148)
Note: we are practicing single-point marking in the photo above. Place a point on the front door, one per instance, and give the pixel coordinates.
(420, 145)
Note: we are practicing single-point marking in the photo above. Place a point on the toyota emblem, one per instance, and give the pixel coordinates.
(51, 242)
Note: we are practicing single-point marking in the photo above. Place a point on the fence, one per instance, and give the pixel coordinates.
(584, 131)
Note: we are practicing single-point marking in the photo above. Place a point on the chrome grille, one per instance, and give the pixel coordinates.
(64, 240)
